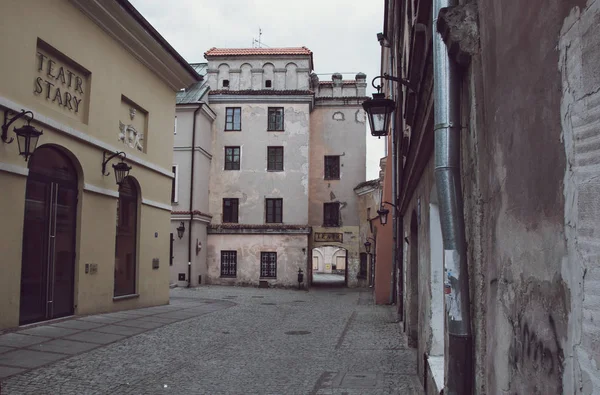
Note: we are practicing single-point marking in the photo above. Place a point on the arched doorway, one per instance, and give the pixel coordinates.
(413, 303)
(48, 259)
(329, 266)
(126, 238)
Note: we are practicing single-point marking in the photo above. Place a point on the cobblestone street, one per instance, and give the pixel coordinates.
(219, 340)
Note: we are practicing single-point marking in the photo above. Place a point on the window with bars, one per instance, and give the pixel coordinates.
(228, 263)
(275, 118)
(331, 214)
(274, 210)
(332, 167)
(268, 265)
(175, 184)
(230, 210)
(275, 158)
(232, 158)
(233, 118)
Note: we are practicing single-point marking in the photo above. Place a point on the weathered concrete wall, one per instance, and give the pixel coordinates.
(336, 130)
(253, 183)
(291, 252)
(522, 165)
(579, 62)
(418, 295)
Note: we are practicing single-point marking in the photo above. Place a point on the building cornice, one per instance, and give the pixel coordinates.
(120, 20)
(273, 229)
(185, 216)
(79, 135)
(223, 98)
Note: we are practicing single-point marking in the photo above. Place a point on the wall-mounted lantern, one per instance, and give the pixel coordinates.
(368, 244)
(383, 213)
(121, 169)
(379, 109)
(180, 230)
(27, 135)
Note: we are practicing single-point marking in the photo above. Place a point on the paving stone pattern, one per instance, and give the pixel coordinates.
(254, 341)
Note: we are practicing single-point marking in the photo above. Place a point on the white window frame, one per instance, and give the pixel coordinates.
(175, 126)
(176, 176)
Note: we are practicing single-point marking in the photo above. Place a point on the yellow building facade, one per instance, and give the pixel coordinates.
(97, 79)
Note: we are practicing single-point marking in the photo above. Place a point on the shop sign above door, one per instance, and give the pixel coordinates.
(329, 237)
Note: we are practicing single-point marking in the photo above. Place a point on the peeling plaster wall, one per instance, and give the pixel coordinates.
(421, 308)
(336, 131)
(253, 183)
(579, 48)
(290, 257)
(528, 278)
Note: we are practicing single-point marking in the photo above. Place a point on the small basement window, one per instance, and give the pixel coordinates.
(268, 84)
(225, 83)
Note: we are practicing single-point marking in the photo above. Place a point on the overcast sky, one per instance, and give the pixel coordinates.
(341, 34)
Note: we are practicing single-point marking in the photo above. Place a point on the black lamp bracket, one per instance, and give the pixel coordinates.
(9, 121)
(106, 159)
(370, 238)
(386, 76)
(393, 205)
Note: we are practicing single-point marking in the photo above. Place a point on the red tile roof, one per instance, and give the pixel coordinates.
(257, 51)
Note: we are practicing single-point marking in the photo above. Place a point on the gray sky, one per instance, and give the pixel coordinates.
(341, 34)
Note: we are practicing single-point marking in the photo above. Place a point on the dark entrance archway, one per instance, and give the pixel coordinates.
(48, 258)
(329, 266)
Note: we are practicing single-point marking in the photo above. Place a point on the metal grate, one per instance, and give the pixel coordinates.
(268, 264)
(228, 263)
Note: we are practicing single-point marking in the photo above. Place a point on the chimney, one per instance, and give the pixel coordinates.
(361, 85)
(337, 84)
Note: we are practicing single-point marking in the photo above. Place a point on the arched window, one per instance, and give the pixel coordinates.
(126, 241)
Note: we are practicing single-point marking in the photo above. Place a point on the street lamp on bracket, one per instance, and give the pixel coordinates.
(379, 109)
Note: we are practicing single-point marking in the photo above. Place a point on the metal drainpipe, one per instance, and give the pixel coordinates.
(447, 175)
(192, 197)
(394, 199)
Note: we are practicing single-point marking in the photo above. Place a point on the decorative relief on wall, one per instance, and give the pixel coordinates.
(133, 125)
(130, 136)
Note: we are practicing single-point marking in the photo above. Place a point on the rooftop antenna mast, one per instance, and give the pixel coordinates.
(257, 43)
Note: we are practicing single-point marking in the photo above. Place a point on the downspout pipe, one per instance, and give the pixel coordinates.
(448, 182)
(394, 190)
(193, 153)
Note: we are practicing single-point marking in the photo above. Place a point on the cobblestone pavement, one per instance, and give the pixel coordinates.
(259, 341)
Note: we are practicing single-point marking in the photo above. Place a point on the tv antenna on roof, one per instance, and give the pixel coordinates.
(258, 43)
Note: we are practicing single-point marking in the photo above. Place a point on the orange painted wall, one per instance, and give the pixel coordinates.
(384, 258)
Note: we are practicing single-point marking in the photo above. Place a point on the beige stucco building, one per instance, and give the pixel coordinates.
(97, 79)
(286, 148)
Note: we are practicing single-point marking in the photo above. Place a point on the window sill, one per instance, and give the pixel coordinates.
(331, 179)
(228, 277)
(275, 130)
(275, 171)
(125, 297)
(233, 130)
(331, 226)
(268, 278)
